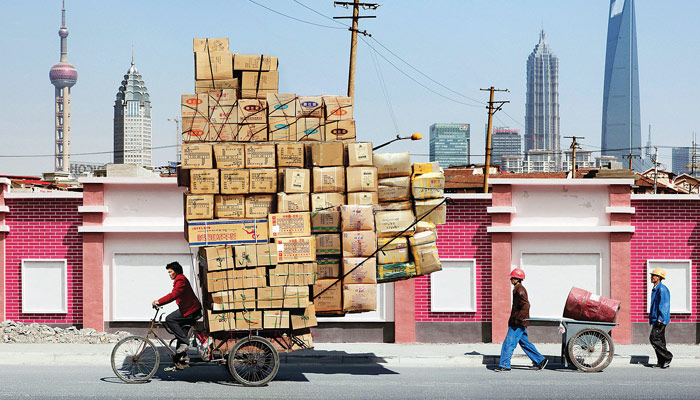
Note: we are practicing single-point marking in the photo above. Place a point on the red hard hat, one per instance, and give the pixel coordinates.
(517, 273)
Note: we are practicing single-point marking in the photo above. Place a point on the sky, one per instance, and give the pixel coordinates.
(447, 51)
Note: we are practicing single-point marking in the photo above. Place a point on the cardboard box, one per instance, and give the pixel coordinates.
(394, 206)
(257, 85)
(249, 277)
(357, 218)
(292, 202)
(359, 243)
(245, 256)
(259, 206)
(327, 268)
(392, 223)
(425, 252)
(244, 299)
(229, 206)
(260, 155)
(281, 105)
(289, 224)
(338, 108)
(359, 297)
(305, 320)
(249, 320)
(327, 154)
(390, 165)
(422, 226)
(235, 181)
(275, 319)
(222, 97)
(229, 156)
(290, 155)
(223, 114)
(360, 154)
(328, 295)
(359, 270)
(194, 105)
(204, 86)
(263, 180)
(329, 179)
(426, 167)
(223, 132)
(327, 201)
(252, 111)
(198, 206)
(296, 249)
(437, 216)
(363, 198)
(279, 276)
(209, 44)
(218, 281)
(325, 221)
(195, 129)
(252, 132)
(216, 258)
(296, 180)
(340, 130)
(282, 129)
(362, 179)
(221, 321)
(309, 106)
(301, 274)
(203, 181)
(394, 189)
(394, 251)
(226, 231)
(395, 272)
(428, 186)
(296, 296)
(302, 342)
(266, 254)
(270, 297)
(197, 156)
(254, 62)
(213, 65)
(328, 244)
(310, 129)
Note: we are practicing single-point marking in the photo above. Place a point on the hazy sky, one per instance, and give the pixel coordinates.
(463, 45)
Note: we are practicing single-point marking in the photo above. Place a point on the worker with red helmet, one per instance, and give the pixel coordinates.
(517, 327)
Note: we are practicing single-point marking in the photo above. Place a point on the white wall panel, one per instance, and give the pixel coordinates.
(679, 283)
(454, 288)
(44, 286)
(560, 206)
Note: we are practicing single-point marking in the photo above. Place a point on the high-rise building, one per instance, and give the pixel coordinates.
(449, 144)
(621, 134)
(542, 100)
(505, 142)
(132, 121)
(685, 160)
(63, 76)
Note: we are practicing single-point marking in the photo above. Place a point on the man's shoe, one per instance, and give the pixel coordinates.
(540, 366)
(182, 348)
(665, 365)
(501, 369)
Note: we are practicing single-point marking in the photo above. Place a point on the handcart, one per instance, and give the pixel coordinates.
(586, 345)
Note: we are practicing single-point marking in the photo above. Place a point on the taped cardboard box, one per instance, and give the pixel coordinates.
(362, 179)
(194, 105)
(221, 321)
(263, 180)
(292, 202)
(329, 179)
(257, 85)
(425, 252)
(395, 272)
(357, 217)
(289, 224)
(219, 114)
(296, 249)
(327, 154)
(235, 181)
(363, 198)
(254, 62)
(240, 299)
(225, 296)
(197, 156)
(229, 206)
(327, 268)
(279, 275)
(252, 132)
(296, 296)
(359, 243)
(305, 320)
(394, 189)
(275, 319)
(245, 256)
(222, 97)
(394, 251)
(249, 320)
(259, 206)
(213, 65)
(204, 86)
(229, 155)
(270, 297)
(340, 130)
(325, 221)
(198, 206)
(281, 105)
(296, 180)
(218, 281)
(215, 258)
(437, 216)
(195, 129)
(337, 107)
(394, 206)
(392, 223)
(328, 244)
(359, 270)
(302, 342)
(223, 132)
(252, 111)
(204, 181)
(422, 226)
(359, 297)
(250, 277)
(390, 165)
(328, 295)
(426, 167)
(360, 154)
(282, 129)
(226, 231)
(260, 155)
(310, 129)
(428, 186)
(301, 274)
(290, 155)
(309, 106)
(266, 254)
(327, 201)
(209, 44)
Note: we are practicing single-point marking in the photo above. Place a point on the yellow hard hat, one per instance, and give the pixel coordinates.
(659, 272)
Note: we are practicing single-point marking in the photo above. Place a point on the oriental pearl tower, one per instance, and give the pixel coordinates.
(63, 76)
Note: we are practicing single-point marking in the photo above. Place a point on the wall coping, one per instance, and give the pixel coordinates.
(468, 196)
(636, 196)
(559, 229)
(131, 229)
(59, 194)
(93, 209)
(130, 180)
(561, 181)
(4, 228)
(4, 209)
(619, 210)
(5, 181)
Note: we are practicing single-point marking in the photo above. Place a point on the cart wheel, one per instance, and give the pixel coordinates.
(591, 350)
(253, 361)
(135, 359)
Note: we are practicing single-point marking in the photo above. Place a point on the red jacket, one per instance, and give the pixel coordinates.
(183, 295)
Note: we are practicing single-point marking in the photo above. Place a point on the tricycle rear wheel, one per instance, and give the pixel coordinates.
(253, 361)
(591, 350)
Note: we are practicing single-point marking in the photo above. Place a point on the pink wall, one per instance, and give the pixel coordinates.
(43, 228)
(664, 229)
(464, 236)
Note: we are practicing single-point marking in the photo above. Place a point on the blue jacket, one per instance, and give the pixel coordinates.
(660, 309)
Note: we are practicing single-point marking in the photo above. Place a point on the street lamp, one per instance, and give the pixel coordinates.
(415, 136)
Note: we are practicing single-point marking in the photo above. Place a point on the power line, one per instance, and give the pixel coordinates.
(294, 18)
(89, 153)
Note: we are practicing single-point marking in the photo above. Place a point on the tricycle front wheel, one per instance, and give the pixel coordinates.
(591, 350)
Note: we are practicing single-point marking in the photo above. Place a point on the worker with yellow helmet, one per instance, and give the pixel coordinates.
(659, 317)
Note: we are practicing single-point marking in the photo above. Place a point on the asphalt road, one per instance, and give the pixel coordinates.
(362, 382)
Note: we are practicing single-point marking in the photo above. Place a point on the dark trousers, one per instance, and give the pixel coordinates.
(657, 337)
(176, 321)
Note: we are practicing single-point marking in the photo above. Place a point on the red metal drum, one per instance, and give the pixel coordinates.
(586, 306)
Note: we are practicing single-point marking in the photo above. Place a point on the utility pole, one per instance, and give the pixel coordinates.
(353, 41)
(492, 111)
(177, 138)
(629, 157)
(573, 147)
(656, 166)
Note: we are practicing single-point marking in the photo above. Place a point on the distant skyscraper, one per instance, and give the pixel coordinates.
(542, 100)
(132, 121)
(685, 160)
(63, 76)
(449, 144)
(621, 133)
(505, 142)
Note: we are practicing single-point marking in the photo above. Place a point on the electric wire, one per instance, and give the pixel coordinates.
(294, 18)
(385, 92)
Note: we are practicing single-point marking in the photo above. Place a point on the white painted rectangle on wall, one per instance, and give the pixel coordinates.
(384, 312)
(45, 286)
(679, 283)
(454, 288)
